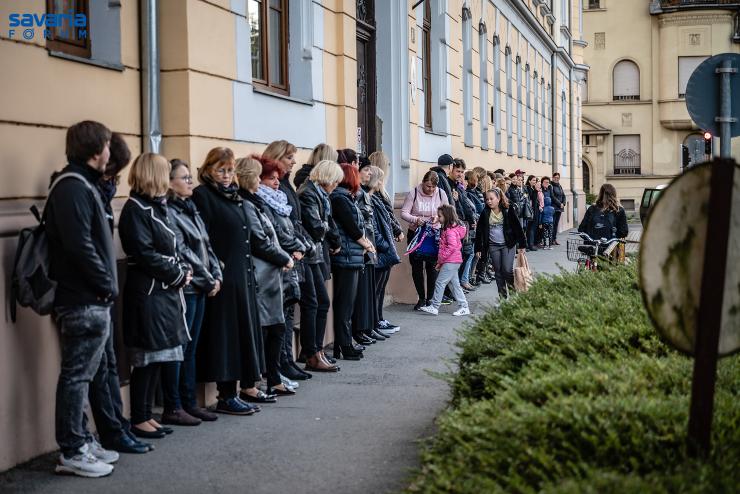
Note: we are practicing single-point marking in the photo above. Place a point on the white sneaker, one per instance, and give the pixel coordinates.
(83, 464)
(102, 454)
(462, 311)
(430, 310)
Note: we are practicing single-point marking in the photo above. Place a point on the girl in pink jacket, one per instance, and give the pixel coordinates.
(449, 261)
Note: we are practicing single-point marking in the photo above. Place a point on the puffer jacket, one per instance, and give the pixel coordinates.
(548, 210)
(194, 246)
(384, 240)
(155, 318)
(350, 228)
(450, 244)
(364, 202)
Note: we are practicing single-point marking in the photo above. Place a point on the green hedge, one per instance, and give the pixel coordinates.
(568, 389)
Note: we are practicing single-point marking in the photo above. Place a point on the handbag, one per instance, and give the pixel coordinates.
(522, 274)
(425, 242)
(527, 211)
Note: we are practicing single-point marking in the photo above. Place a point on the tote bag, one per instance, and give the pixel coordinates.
(522, 274)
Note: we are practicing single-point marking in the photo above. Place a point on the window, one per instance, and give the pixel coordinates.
(528, 115)
(536, 117)
(626, 81)
(627, 155)
(543, 117)
(594, 4)
(70, 38)
(497, 92)
(483, 81)
(695, 145)
(563, 129)
(467, 76)
(584, 91)
(520, 106)
(628, 204)
(686, 67)
(509, 104)
(268, 23)
(426, 64)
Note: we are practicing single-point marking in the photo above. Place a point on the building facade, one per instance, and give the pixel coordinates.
(494, 82)
(635, 120)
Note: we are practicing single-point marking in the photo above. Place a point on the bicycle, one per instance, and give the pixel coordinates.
(589, 252)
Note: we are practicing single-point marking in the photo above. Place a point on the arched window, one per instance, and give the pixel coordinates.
(626, 81)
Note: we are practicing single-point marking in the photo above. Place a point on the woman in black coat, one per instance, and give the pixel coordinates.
(498, 234)
(530, 193)
(195, 248)
(270, 262)
(318, 222)
(348, 261)
(154, 317)
(230, 349)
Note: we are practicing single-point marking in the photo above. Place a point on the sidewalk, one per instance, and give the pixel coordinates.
(356, 431)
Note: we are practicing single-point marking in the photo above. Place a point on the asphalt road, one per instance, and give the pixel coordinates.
(352, 432)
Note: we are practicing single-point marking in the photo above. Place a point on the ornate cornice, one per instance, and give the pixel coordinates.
(694, 19)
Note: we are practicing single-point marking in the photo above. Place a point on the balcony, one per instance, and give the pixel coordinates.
(627, 162)
(661, 6)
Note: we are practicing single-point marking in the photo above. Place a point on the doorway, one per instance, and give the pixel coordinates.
(586, 178)
(366, 88)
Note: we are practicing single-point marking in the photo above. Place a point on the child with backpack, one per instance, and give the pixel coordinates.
(607, 218)
(449, 260)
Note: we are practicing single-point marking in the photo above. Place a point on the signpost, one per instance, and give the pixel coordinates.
(709, 98)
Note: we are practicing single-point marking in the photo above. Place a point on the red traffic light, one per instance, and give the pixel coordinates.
(707, 136)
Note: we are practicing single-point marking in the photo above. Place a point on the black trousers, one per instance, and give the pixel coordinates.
(314, 310)
(555, 223)
(419, 266)
(382, 275)
(286, 350)
(273, 336)
(364, 317)
(345, 295)
(143, 385)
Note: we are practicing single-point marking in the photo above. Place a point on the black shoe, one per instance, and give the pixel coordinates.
(346, 353)
(305, 374)
(288, 391)
(166, 430)
(332, 360)
(485, 281)
(377, 336)
(125, 444)
(419, 305)
(260, 398)
(134, 439)
(533, 249)
(359, 348)
(301, 359)
(291, 373)
(233, 406)
(364, 339)
(382, 333)
(158, 434)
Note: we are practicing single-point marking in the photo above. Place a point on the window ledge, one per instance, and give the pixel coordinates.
(435, 133)
(594, 10)
(89, 61)
(293, 99)
(580, 42)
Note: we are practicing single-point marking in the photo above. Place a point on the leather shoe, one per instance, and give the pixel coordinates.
(288, 391)
(202, 414)
(157, 434)
(364, 339)
(131, 436)
(166, 430)
(300, 371)
(180, 417)
(377, 336)
(260, 398)
(289, 372)
(124, 444)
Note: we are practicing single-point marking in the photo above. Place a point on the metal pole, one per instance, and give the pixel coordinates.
(709, 320)
(152, 129)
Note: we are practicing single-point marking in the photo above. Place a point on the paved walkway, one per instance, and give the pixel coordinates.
(356, 431)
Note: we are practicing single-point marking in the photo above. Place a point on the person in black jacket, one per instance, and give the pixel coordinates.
(194, 247)
(155, 328)
(443, 169)
(317, 220)
(348, 261)
(83, 263)
(530, 194)
(320, 153)
(559, 194)
(607, 218)
(230, 347)
(499, 233)
(283, 153)
(270, 262)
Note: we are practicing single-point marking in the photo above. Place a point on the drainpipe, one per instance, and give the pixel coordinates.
(553, 113)
(573, 147)
(151, 127)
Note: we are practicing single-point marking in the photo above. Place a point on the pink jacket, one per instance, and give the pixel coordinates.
(541, 199)
(450, 245)
(420, 205)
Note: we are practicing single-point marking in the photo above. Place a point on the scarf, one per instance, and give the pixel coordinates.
(230, 192)
(496, 218)
(108, 190)
(275, 199)
(185, 205)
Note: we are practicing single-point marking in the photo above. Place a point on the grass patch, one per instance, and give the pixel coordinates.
(568, 389)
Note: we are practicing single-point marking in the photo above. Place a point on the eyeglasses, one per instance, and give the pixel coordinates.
(226, 171)
(187, 179)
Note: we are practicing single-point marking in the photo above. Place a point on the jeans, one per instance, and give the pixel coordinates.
(502, 259)
(345, 295)
(273, 336)
(314, 310)
(448, 274)
(465, 269)
(84, 331)
(285, 357)
(105, 397)
(555, 223)
(382, 275)
(195, 305)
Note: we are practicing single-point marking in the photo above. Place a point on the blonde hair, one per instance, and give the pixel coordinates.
(150, 175)
(375, 183)
(321, 153)
(278, 150)
(501, 184)
(326, 172)
(248, 172)
(480, 172)
(486, 183)
(380, 159)
(216, 156)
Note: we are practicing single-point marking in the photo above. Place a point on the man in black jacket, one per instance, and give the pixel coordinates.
(559, 194)
(443, 170)
(83, 263)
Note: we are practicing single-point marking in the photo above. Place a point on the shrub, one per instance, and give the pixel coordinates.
(567, 388)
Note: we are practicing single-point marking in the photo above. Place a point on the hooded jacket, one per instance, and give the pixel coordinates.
(450, 244)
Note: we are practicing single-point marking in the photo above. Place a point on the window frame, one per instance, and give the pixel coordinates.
(426, 65)
(67, 46)
(265, 36)
(626, 97)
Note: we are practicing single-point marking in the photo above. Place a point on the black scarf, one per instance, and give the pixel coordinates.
(185, 205)
(230, 192)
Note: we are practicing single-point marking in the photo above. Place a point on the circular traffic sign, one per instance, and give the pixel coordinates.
(703, 96)
(672, 261)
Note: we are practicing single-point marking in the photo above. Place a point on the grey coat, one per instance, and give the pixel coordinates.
(269, 260)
